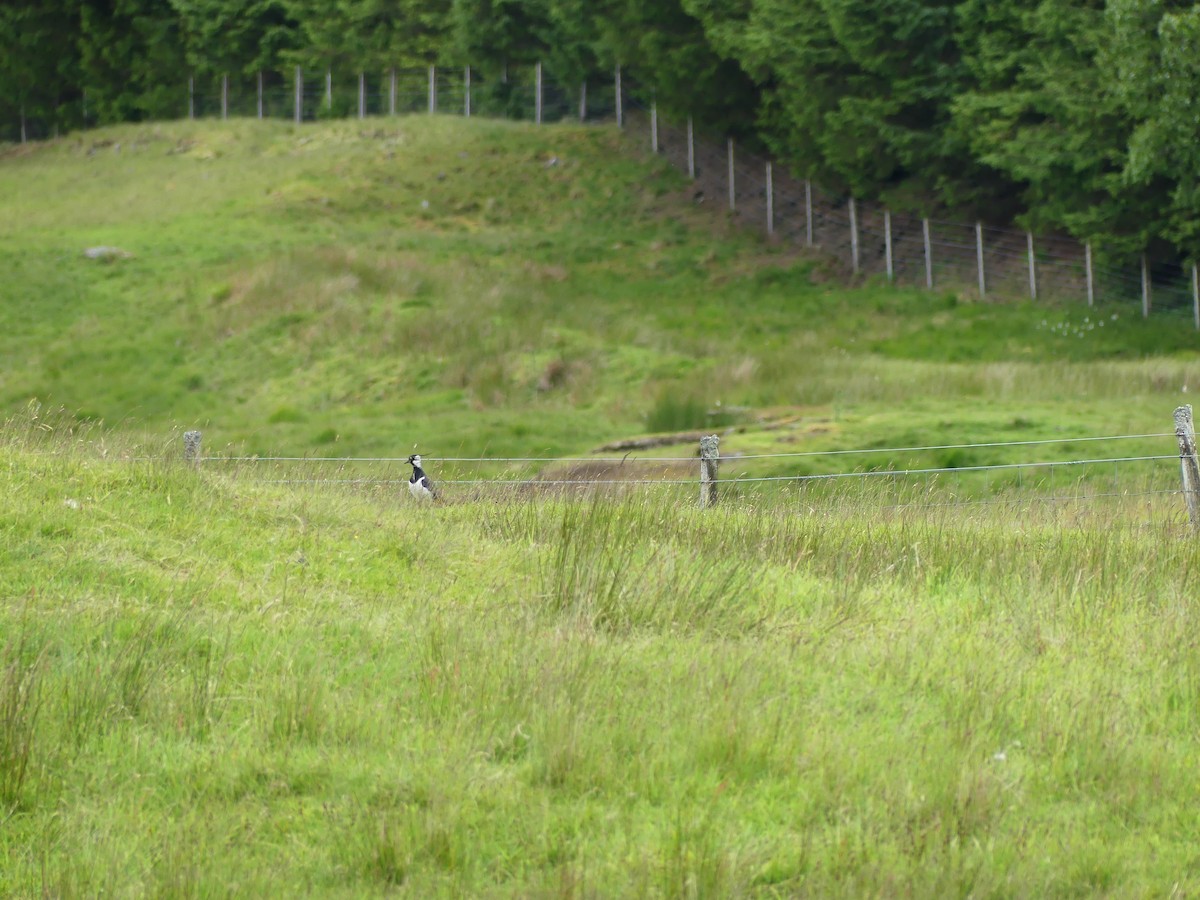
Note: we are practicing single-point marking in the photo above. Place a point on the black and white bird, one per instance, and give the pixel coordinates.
(419, 484)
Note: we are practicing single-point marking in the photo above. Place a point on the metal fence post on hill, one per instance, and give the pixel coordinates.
(887, 242)
(710, 459)
(392, 91)
(191, 447)
(1196, 296)
(979, 258)
(853, 236)
(770, 201)
(1032, 267)
(362, 95)
(260, 95)
(583, 101)
(928, 255)
(191, 100)
(299, 105)
(432, 90)
(1087, 261)
(620, 111)
(691, 151)
(467, 92)
(329, 89)
(537, 93)
(224, 97)
(654, 127)
(808, 215)
(1186, 434)
(1145, 288)
(732, 187)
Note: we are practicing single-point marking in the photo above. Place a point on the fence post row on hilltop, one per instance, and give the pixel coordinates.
(869, 238)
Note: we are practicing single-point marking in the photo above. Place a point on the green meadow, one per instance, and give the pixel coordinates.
(276, 679)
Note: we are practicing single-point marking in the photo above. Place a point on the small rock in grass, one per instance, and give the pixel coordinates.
(107, 254)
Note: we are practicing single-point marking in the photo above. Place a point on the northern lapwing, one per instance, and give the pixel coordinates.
(419, 484)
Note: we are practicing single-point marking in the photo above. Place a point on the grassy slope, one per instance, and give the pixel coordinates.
(218, 687)
(213, 685)
(292, 293)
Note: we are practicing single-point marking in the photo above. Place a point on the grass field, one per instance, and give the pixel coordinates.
(216, 685)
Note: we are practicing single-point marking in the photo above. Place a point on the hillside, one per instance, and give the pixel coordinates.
(219, 681)
(210, 686)
(488, 288)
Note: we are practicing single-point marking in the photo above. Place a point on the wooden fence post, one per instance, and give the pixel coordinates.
(260, 95)
(191, 446)
(224, 97)
(362, 95)
(191, 103)
(392, 91)
(583, 101)
(1186, 434)
(654, 127)
(329, 88)
(467, 91)
(710, 458)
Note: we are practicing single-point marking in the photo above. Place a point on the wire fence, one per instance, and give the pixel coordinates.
(1141, 483)
(868, 239)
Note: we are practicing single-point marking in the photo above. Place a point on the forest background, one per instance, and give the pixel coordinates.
(1064, 117)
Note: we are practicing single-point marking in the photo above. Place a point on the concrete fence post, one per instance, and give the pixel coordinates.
(710, 459)
(1186, 434)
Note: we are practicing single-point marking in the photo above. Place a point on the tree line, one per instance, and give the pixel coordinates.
(1072, 116)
